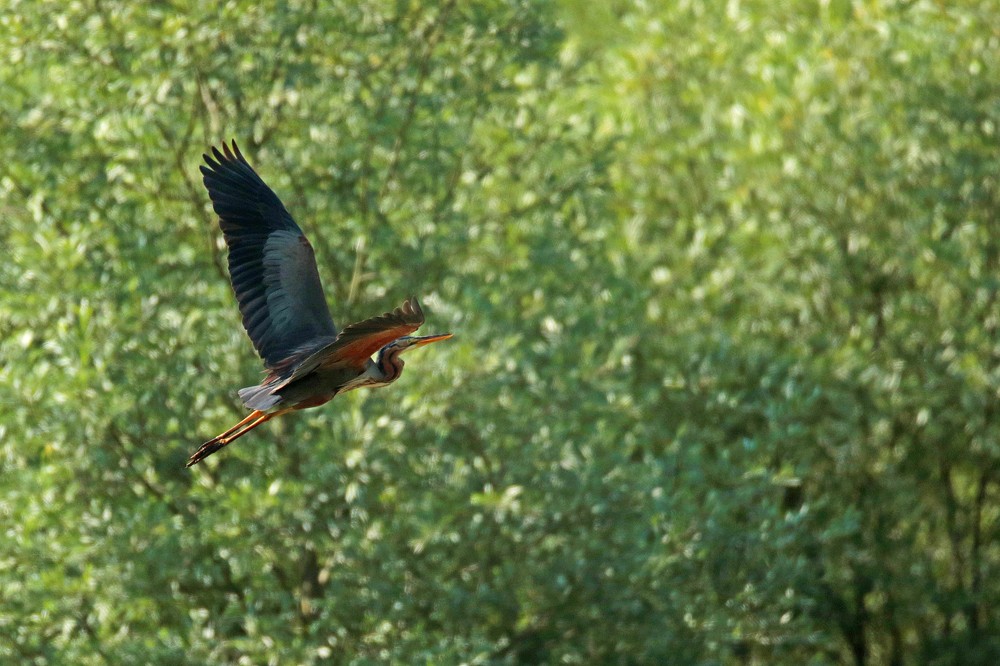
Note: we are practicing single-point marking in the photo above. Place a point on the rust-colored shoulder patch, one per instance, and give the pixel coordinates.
(357, 342)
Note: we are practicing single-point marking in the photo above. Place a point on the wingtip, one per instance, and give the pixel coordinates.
(230, 152)
(410, 309)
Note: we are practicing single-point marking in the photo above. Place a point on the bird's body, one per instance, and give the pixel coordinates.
(274, 275)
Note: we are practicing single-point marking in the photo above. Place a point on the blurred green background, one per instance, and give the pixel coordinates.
(724, 279)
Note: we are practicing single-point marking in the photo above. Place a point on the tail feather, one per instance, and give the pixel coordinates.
(259, 397)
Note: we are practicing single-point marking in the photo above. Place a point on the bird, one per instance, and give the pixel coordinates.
(272, 268)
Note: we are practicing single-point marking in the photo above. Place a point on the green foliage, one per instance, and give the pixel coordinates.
(724, 282)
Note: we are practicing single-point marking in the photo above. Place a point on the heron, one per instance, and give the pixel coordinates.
(272, 268)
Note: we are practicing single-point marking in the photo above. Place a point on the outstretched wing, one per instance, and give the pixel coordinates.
(354, 346)
(271, 263)
(357, 342)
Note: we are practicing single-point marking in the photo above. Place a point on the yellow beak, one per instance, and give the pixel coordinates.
(418, 342)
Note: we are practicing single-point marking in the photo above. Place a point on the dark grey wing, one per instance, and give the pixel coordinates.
(271, 263)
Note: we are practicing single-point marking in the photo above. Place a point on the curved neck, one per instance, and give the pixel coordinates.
(389, 364)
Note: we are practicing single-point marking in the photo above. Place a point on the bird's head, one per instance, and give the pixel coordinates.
(408, 342)
(389, 365)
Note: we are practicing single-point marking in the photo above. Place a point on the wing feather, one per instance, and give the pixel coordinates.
(272, 266)
(357, 342)
(353, 347)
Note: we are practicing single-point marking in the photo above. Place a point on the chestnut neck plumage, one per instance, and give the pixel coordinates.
(388, 365)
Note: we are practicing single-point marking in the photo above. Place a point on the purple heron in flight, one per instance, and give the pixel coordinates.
(273, 272)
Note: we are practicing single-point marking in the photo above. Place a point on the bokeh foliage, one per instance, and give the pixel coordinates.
(724, 279)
